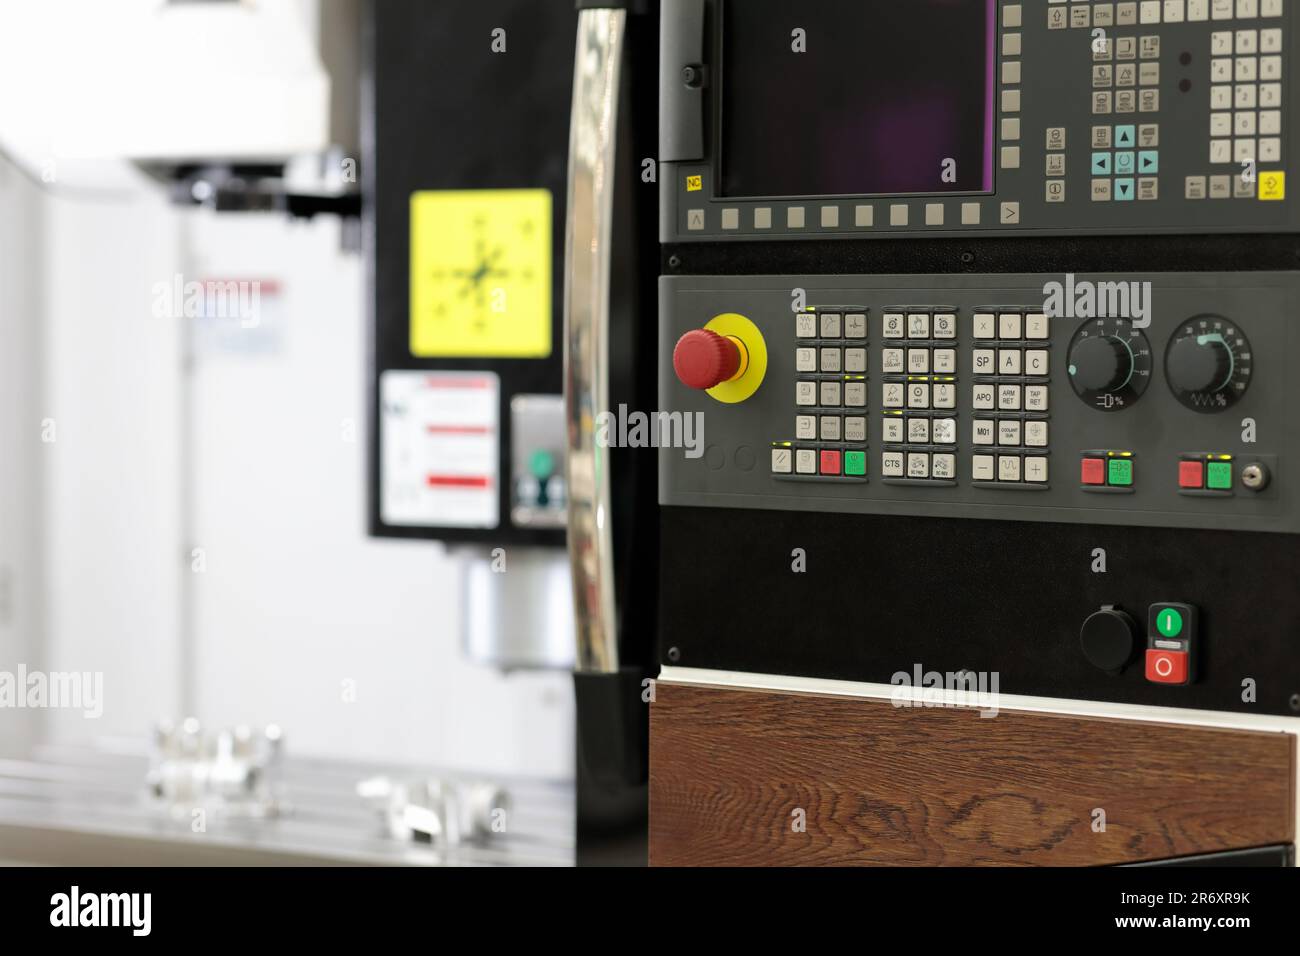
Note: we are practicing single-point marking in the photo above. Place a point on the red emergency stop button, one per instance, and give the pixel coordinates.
(1092, 471)
(1191, 474)
(703, 359)
(1166, 667)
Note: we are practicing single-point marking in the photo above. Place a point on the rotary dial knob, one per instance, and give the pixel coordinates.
(1208, 363)
(1101, 364)
(1109, 363)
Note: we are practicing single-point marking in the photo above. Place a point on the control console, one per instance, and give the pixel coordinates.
(967, 396)
(1047, 433)
(975, 118)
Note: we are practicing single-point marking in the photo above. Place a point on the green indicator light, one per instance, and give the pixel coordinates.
(1169, 622)
(1119, 471)
(542, 464)
(855, 463)
(1218, 475)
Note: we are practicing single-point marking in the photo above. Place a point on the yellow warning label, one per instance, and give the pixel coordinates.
(694, 183)
(1272, 185)
(481, 273)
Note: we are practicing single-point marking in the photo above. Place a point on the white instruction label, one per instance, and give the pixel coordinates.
(439, 448)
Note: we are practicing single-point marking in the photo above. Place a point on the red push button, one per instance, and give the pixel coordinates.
(1191, 474)
(703, 359)
(1092, 471)
(830, 463)
(1166, 667)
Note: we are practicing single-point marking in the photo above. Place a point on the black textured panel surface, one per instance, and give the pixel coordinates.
(448, 113)
(885, 594)
(914, 256)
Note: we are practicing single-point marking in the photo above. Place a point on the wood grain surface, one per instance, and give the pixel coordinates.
(878, 784)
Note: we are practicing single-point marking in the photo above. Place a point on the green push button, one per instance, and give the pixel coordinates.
(855, 463)
(542, 464)
(1169, 622)
(1120, 471)
(1219, 475)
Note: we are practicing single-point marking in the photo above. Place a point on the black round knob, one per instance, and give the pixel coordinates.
(1107, 637)
(1101, 363)
(1199, 363)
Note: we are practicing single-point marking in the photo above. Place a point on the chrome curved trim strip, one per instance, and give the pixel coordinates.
(597, 64)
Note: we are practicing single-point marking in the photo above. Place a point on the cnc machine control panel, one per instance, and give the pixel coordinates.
(1048, 432)
(966, 396)
(975, 118)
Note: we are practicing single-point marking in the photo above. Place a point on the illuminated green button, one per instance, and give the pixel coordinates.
(1169, 622)
(1219, 475)
(542, 464)
(1120, 471)
(855, 463)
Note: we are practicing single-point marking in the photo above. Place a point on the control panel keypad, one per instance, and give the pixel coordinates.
(1244, 127)
(1010, 423)
(1033, 402)
(1246, 97)
(918, 395)
(1129, 153)
(830, 398)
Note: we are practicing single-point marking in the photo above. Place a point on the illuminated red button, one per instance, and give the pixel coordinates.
(1093, 471)
(830, 463)
(1166, 667)
(1191, 474)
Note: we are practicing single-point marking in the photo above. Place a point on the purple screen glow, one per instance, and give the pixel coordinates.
(885, 93)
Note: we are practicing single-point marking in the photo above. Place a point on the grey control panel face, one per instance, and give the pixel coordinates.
(1160, 400)
(976, 118)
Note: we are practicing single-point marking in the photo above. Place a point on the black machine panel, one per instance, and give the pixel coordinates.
(930, 455)
(465, 222)
(881, 596)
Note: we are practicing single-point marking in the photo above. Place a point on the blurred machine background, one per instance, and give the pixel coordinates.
(183, 496)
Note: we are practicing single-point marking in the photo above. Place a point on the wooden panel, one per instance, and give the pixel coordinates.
(881, 784)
